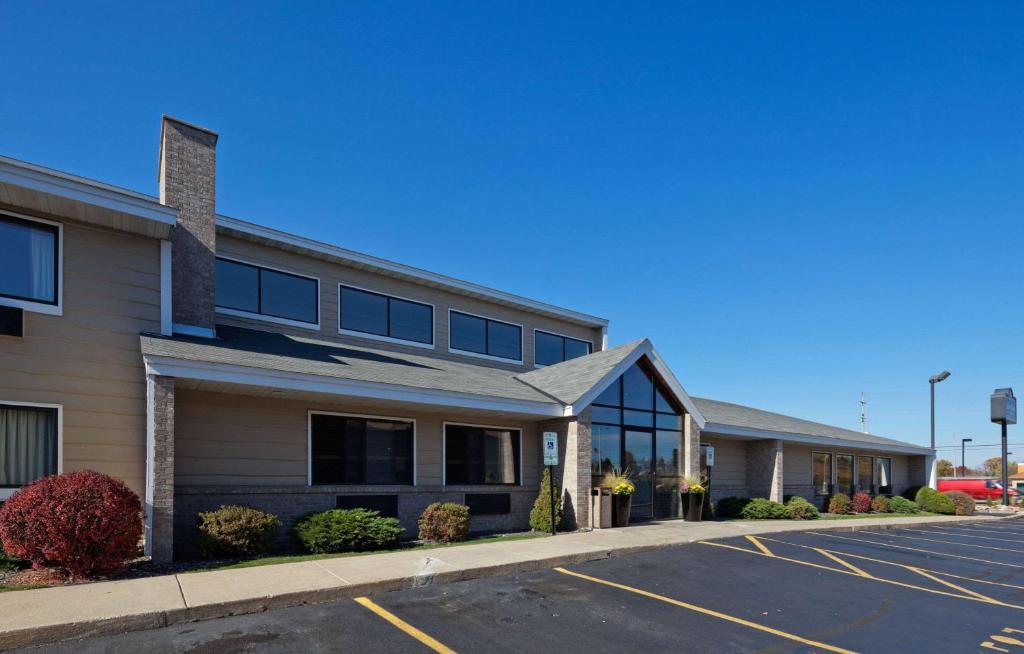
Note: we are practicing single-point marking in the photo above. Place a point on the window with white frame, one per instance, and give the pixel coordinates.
(362, 312)
(484, 336)
(265, 292)
(481, 455)
(29, 260)
(549, 349)
(28, 444)
(883, 474)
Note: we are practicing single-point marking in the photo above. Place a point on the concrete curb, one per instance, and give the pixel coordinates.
(144, 621)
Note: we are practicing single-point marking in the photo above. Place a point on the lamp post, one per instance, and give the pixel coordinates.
(963, 461)
(935, 379)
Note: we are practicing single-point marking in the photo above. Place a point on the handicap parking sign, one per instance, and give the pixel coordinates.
(551, 448)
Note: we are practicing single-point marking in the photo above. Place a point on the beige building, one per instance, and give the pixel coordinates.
(207, 360)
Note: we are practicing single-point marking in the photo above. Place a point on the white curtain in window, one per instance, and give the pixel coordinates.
(28, 444)
(883, 472)
(41, 253)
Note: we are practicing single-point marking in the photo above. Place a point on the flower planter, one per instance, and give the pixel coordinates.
(621, 505)
(694, 506)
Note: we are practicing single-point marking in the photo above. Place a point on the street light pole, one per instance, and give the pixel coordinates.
(963, 461)
(935, 379)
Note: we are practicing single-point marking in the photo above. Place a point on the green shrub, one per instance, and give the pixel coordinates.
(236, 531)
(540, 514)
(839, 504)
(347, 530)
(899, 504)
(730, 507)
(881, 504)
(963, 503)
(911, 492)
(762, 509)
(798, 508)
(931, 500)
(8, 562)
(445, 522)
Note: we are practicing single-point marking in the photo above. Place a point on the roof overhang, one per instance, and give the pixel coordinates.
(63, 195)
(645, 349)
(279, 239)
(717, 429)
(292, 381)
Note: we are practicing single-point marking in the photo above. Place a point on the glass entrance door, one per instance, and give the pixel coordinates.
(638, 458)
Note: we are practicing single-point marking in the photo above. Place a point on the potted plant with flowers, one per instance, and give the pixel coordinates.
(691, 492)
(622, 489)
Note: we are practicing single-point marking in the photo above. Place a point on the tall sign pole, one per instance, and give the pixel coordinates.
(1004, 411)
(551, 460)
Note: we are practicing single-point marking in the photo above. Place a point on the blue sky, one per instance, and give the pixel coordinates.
(796, 203)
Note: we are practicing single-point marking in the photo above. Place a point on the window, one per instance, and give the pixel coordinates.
(481, 455)
(243, 288)
(844, 473)
(821, 473)
(549, 349)
(28, 444)
(884, 474)
(476, 335)
(865, 474)
(369, 314)
(29, 261)
(357, 450)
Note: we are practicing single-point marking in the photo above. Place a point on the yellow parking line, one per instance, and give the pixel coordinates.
(841, 562)
(950, 542)
(760, 545)
(711, 612)
(848, 572)
(404, 626)
(898, 565)
(952, 585)
(918, 549)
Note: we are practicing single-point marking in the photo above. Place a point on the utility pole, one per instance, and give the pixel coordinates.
(863, 414)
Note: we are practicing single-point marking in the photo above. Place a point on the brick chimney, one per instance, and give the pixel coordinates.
(188, 174)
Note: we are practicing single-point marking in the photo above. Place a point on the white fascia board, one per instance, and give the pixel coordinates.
(646, 348)
(406, 271)
(246, 375)
(717, 429)
(81, 189)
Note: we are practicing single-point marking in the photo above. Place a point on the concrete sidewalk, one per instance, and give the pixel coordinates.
(33, 617)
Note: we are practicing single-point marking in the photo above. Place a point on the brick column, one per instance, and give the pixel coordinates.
(160, 468)
(691, 445)
(764, 469)
(573, 472)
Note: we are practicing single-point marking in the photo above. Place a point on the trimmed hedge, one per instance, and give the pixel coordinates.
(963, 503)
(85, 522)
(860, 503)
(839, 504)
(236, 532)
(881, 504)
(931, 500)
(762, 509)
(797, 508)
(347, 530)
(730, 507)
(444, 522)
(899, 504)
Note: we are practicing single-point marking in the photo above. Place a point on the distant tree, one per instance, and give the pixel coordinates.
(994, 467)
(964, 471)
(944, 468)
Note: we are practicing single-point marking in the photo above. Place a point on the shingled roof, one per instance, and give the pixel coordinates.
(570, 380)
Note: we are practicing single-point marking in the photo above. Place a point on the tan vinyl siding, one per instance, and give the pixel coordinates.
(331, 274)
(797, 467)
(249, 441)
(729, 476)
(88, 359)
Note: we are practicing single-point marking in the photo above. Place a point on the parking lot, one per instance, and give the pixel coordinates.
(949, 588)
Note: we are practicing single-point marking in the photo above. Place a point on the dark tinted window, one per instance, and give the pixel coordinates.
(637, 388)
(485, 336)
(28, 260)
(478, 455)
(382, 315)
(551, 348)
(350, 450)
(245, 287)
(612, 396)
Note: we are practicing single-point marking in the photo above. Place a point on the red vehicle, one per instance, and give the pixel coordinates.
(979, 489)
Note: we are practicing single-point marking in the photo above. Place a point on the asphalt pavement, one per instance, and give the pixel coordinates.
(955, 588)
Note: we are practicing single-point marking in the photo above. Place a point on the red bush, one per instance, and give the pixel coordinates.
(860, 503)
(85, 522)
